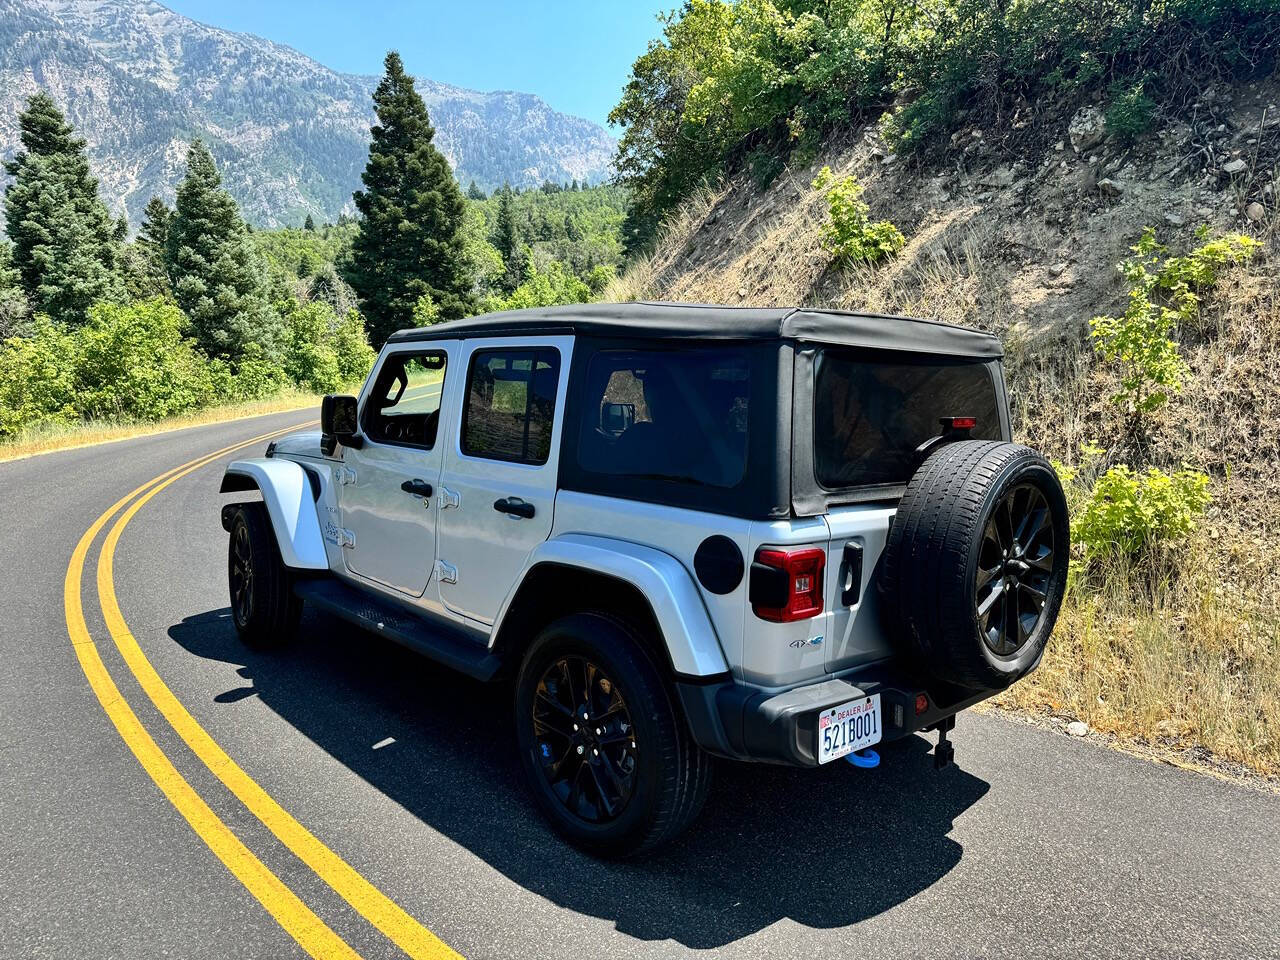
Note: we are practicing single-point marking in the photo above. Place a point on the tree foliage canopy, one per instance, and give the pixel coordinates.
(731, 79)
(409, 242)
(217, 278)
(64, 246)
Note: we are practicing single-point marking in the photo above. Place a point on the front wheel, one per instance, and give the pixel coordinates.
(607, 758)
(263, 605)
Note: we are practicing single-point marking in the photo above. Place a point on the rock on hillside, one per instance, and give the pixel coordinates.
(138, 81)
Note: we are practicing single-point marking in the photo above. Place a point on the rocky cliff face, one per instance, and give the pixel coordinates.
(290, 135)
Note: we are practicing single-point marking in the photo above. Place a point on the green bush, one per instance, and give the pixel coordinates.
(849, 235)
(1164, 293)
(555, 285)
(37, 377)
(310, 360)
(1131, 514)
(135, 362)
(351, 344)
(1130, 112)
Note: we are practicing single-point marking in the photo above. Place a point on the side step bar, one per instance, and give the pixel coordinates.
(439, 643)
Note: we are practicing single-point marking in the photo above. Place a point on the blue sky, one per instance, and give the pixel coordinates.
(575, 54)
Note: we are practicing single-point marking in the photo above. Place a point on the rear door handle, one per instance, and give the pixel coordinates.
(515, 507)
(419, 488)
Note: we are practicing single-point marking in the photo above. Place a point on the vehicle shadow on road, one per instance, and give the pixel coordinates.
(825, 848)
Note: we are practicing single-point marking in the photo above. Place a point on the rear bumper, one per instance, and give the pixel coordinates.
(731, 719)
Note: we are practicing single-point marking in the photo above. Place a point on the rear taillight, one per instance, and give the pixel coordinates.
(786, 585)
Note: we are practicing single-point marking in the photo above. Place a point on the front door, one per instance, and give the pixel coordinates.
(498, 484)
(387, 490)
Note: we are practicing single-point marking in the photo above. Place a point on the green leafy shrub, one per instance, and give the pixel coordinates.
(351, 344)
(546, 288)
(1130, 513)
(135, 362)
(310, 359)
(1164, 292)
(849, 235)
(257, 375)
(1130, 112)
(37, 377)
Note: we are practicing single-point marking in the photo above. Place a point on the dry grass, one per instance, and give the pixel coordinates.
(63, 437)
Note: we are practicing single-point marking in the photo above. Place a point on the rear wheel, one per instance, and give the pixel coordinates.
(607, 758)
(263, 606)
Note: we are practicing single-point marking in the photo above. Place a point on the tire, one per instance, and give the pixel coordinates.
(669, 773)
(954, 544)
(267, 614)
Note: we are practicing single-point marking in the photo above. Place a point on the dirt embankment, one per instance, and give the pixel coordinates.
(1021, 233)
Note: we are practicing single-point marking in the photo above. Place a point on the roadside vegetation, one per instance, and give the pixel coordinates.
(753, 85)
(102, 331)
(1010, 147)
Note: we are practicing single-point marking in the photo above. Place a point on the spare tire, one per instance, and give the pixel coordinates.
(975, 566)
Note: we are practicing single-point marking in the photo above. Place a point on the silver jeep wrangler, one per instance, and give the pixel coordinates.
(681, 532)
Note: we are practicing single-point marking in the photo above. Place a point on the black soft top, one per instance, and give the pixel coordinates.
(688, 321)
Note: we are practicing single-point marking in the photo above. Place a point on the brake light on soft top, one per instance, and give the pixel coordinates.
(786, 585)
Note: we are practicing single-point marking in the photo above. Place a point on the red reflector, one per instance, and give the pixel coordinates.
(922, 703)
(803, 569)
(961, 423)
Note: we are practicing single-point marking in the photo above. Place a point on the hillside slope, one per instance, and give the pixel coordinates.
(1026, 242)
(138, 81)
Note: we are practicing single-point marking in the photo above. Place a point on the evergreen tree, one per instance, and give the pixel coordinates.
(409, 242)
(217, 279)
(474, 192)
(309, 224)
(152, 239)
(506, 240)
(63, 237)
(121, 232)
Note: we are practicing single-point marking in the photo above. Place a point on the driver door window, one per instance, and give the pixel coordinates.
(404, 405)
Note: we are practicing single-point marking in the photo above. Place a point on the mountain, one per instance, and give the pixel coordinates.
(289, 134)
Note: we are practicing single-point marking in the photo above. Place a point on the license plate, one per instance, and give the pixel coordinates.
(848, 727)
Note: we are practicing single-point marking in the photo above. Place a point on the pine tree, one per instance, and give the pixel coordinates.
(217, 279)
(63, 237)
(506, 240)
(152, 238)
(409, 241)
(474, 192)
(309, 224)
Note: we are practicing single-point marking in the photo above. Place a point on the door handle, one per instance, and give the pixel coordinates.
(515, 507)
(419, 488)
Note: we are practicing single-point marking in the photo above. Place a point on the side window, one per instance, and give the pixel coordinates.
(510, 405)
(404, 405)
(667, 415)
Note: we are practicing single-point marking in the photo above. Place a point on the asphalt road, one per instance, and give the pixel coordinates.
(1037, 845)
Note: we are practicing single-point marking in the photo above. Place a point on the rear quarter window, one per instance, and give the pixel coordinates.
(871, 415)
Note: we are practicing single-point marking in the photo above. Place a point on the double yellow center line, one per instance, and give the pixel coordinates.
(289, 911)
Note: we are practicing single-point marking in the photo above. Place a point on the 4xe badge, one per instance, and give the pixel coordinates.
(811, 642)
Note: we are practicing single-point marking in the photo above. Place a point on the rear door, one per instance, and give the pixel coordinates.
(872, 412)
(498, 485)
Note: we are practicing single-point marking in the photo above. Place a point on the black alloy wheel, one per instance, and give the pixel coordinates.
(263, 605)
(585, 739)
(241, 575)
(1015, 563)
(608, 759)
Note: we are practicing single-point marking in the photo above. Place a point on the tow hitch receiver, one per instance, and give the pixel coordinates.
(944, 753)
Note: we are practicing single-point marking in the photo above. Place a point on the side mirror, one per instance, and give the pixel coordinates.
(338, 423)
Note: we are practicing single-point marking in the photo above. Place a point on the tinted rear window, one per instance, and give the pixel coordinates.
(667, 415)
(870, 416)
